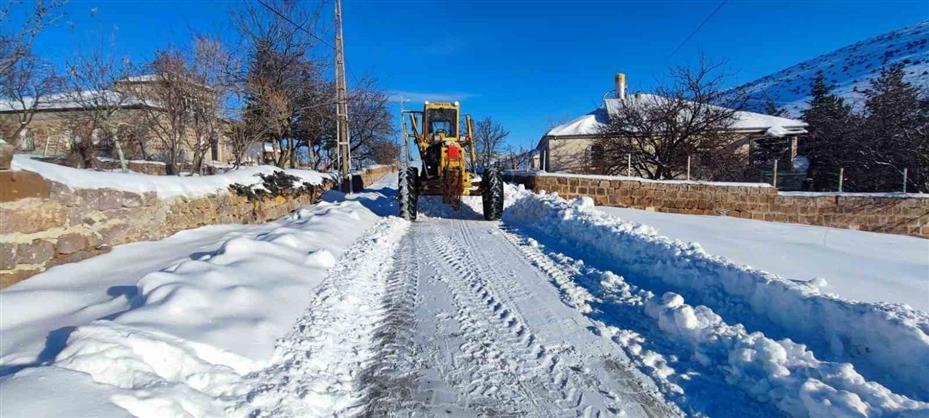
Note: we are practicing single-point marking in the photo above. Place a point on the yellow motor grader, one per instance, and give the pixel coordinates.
(446, 156)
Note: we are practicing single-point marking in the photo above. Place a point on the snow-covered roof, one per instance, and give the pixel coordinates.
(589, 124)
(593, 122)
(141, 78)
(71, 100)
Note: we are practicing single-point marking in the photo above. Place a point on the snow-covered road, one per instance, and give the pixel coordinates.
(488, 336)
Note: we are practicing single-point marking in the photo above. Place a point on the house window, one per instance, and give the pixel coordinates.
(595, 158)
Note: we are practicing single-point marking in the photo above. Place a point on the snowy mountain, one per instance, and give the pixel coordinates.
(849, 69)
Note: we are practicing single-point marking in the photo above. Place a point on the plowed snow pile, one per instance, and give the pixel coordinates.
(780, 342)
(195, 333)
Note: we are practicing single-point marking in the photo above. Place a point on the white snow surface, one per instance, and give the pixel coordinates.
(182, 339)
(856, 265)
(164, 186)
(886, 344)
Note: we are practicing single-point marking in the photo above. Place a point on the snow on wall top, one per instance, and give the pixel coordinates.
(593, 122)
(638, 179)
(848, 68)
(163, 186)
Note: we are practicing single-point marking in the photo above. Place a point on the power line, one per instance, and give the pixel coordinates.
(704, 22)
(297, 25)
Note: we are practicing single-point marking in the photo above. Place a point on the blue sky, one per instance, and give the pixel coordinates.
(529, 64)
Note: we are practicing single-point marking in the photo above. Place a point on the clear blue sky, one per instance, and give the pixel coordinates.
(529, 64)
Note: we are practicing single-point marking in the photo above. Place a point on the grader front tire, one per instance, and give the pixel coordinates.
(492, 194)
(408, 193)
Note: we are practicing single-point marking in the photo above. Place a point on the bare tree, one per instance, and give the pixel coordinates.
(488, 139)
(212, 68)
(689, 117)
(280, 70)
(90, 83)
(516, 158)
(16, 42)
(167, 100)
(371, 123)
(25, 79)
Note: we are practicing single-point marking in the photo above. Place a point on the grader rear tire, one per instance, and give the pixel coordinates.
(492, 194)
(408, 193)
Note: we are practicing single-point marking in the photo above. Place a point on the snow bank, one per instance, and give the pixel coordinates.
(164, 186)
(194, 331)
(886, 342)
(705, 364)
(856, 265)
(79, 293)
(318, 363)
(782, 372)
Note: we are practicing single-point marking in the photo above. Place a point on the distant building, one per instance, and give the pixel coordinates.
(50, 133)
(571, 147)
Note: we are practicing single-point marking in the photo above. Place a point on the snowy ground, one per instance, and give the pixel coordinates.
(171, 328)
(856, 265)
(558, 310)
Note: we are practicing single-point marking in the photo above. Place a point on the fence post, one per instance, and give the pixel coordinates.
(775, 174)
(841, 176)
(628, 165)
(688, 168)
(904, 180)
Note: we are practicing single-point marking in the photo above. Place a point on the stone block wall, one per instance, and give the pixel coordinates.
(38, 231)
(897, 214)
(368, 176)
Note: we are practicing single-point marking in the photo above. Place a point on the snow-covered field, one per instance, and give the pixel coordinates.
(857, 265)
(558, 310)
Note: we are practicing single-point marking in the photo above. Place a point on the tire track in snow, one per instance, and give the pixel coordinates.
(481, 348)
(316, 366)
(564, 357)
(391, 378)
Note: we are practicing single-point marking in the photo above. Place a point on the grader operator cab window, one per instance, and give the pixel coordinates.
(443, 121)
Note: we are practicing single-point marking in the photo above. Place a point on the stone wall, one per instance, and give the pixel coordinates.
(890, 213)
(370, 175)
(46, 223)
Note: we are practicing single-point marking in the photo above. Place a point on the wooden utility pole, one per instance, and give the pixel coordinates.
(341, 99)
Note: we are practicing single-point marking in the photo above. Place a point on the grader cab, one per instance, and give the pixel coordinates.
(446, 155)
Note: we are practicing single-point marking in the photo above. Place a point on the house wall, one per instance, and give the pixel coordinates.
(48, 134)
(44, 223)
(571, 155)
(568, 155)
(896, 214)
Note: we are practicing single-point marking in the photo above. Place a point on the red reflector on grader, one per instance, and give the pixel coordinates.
(454, 152)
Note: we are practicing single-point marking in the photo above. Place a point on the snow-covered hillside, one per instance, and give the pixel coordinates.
(848, 69)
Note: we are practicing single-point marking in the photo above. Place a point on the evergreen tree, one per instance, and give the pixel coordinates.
(826, 145)
(773, 109)
(895, 134)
